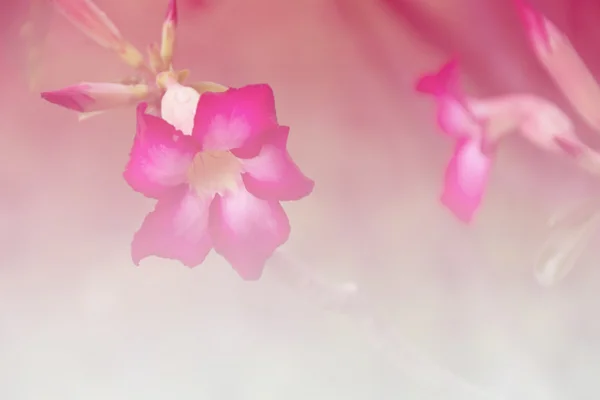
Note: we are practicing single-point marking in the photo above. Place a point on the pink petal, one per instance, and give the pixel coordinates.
(236, 120)
(466, 179)
(246, 231)
(90, 97)
(176, 229)
(273, 175)
(453, 116)
(442, 82)
(160, 156)
(556, 53)
(455, 119)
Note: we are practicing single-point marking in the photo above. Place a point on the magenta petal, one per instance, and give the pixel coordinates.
(455, 120)
(176, 229)
(273, 175)
(236, 120)
(466, 179)
(246, 231)
(442, 82)
(160, 156)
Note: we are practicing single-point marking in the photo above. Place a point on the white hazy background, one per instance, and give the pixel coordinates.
(79, 322)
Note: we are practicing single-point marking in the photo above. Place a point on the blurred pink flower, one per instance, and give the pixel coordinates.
(479, 124)
(219, 167)
(468, 171)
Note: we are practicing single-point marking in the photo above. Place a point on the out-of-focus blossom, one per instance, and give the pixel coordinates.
(219, 167)
(468, 171)
(146, 84)
(478, 125)
(556, 53)
(569, 236)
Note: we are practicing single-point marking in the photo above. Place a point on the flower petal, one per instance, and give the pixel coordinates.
(466, 179)
(556, 53)
(90, 97)
(442, 82)
(236, 120)
(453, 116)
(160, 156)
(273, 175)
(176, 229)
(246, 231)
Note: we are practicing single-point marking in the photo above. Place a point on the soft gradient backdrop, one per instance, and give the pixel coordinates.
(79, 322)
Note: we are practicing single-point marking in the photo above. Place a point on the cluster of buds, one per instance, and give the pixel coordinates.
(150, 73)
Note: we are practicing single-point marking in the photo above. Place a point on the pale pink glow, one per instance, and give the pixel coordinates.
(79, 321)
(202, 200)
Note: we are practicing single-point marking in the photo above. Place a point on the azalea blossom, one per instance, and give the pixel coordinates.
(478, 125)
(219, 168)
(144, 85)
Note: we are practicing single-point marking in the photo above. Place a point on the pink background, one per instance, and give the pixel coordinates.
(79, 321)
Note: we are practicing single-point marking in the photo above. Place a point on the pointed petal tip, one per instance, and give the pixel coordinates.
(441, 80)
(172, 14)
(64, 98)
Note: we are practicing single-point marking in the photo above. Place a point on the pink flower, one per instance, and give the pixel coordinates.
(219, 167)
(478, 125)
(468, 171)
